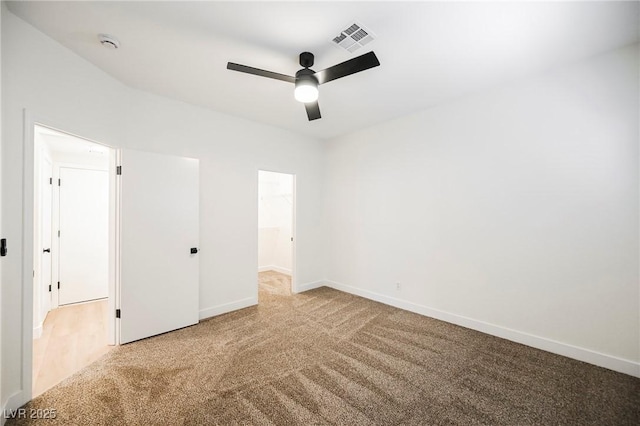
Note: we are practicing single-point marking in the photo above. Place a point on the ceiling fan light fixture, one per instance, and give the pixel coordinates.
(307, 80)
(306, 90)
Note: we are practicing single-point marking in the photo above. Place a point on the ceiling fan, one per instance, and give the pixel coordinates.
(307, 80)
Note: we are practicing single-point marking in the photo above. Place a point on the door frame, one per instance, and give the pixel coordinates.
(30, 120)
(46, 158)
(294, 197)
(40, 188)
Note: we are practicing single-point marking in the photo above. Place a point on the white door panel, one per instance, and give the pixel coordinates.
(84, 235)
(159, 288)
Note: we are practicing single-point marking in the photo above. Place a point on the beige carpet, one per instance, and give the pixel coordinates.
(326, 357)
(273, 283)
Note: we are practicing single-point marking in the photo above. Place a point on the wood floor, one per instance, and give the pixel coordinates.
(73, 337)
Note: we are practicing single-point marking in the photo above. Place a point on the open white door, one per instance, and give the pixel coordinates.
(158, 234)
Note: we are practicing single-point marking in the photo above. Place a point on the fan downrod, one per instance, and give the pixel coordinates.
(306, 59)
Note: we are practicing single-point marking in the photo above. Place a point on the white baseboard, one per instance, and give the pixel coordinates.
(621, 365)
(37, 332)
(274, 268)
(309, 286)
(228, 307)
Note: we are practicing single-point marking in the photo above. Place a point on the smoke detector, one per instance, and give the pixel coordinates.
(353, 37)
(109, 41)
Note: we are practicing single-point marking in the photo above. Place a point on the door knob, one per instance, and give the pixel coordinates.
(46, 250)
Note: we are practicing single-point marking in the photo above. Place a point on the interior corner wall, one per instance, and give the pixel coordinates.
(513, 212)
(51, 81)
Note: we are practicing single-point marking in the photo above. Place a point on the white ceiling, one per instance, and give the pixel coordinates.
(430, 52)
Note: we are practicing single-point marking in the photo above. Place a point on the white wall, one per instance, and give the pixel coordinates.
(275, 218)
(2, 395)
(52, 82)
(88, 161)
(514, 211)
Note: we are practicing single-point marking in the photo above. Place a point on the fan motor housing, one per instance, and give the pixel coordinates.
(306, 74)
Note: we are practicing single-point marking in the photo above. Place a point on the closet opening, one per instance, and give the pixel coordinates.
(276, 234)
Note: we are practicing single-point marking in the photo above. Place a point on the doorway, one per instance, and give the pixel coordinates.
(152, 245)
(276, 229)
(71, 255)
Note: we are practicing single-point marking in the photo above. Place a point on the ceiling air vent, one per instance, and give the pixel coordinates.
(353, 37)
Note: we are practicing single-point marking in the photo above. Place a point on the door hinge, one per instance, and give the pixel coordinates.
(58, 233)
(51, 181)
(58, 285)
(117, 313)
(58, 182)
(49, 288)
(291, 239)
(119, 170)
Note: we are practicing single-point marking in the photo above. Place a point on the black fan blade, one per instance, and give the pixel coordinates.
(352, 66)
(313, 110)
(261, 73)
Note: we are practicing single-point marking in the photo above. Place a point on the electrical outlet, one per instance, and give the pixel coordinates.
(398, 287)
